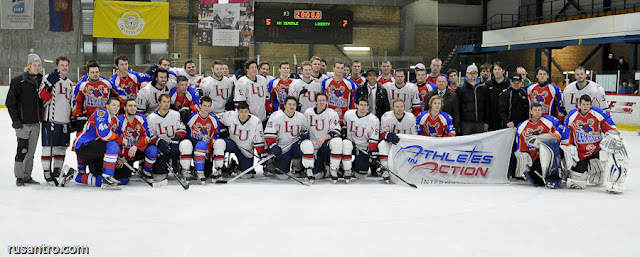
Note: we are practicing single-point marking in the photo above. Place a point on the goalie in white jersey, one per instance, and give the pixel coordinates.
(147, 99)
(218, 87)
(324, 139)
(362, 141)
(397, 121)
(281, 137)
(312, 86)
(252, 89)
(582, 86)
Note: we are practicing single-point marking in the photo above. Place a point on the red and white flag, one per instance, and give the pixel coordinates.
(223, 1)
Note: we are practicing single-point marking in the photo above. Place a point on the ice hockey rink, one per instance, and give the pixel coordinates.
(266, 217)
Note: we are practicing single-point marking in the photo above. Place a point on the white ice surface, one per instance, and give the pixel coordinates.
(264, 217)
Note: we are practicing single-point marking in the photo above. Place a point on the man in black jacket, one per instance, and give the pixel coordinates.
(496, 85)
(474, 104)
(514, 104)
(377, 95)
(450, 100)
(25, 109)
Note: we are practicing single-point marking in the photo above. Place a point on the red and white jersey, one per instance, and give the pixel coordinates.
(408, 93)
(131, 83)
(282, 129)
(147, 99)
(57, 102)
(165, 127)
(341, 94)
(364, 132)
(134, 133)
(254, 93)
(219, 91)
(438, 126)
(423, 90)
(382, 80)
(247, 135)
(308, 99)
(549, 96)
(390, 123)
(359, 81)
(526, 129)
(571, 95)
(278, 91)
(585, 131)
(194, 81)
(89, 96)
(320, 124)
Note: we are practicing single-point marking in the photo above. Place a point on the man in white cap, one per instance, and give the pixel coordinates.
(474, 107)
(25, 109)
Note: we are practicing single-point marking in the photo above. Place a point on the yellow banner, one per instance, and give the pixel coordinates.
(124, 19)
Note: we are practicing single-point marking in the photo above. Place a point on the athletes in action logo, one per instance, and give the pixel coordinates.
(131, 23)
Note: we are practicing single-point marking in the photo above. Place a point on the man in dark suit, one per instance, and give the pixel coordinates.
(375, 94)
(449, 102)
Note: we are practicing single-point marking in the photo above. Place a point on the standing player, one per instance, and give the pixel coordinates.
(324, 140)
(217, 87)
(147, 99)
(341, 91)
(189, 71)
(385, 73)
(394, 122)
(436, 66)
(281, 137)
(202, 130)
(253, 90)
(537, 153)
(547, 94)
(245, 136)
(424, 87)
(184, 99)
(264, 71)
(165, 64)
(306, 82)
(278, 88)
(316, 64)
(56, 92)
(434, 122)
(134, 130)
(582, 86)
(363, 131)
(356, 73)
(129, 81)
(408, 92)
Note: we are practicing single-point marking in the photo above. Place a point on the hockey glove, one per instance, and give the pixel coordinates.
(224, 133)
(374, 157)
(53, 78)
(343, 132)
(611, 142)
(392, 138)
(152, 70)
(185, 114)
(78, 123)
(304, 135)
(570, 156)
(163, 147)
(276, 151)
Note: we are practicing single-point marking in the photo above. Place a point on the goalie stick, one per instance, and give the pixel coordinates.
(145, 179)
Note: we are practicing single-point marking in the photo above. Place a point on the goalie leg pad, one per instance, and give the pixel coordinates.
(219, 147)
(615, 169)
(550, 163)
(577, 180)
(524, 163)
(595, 171)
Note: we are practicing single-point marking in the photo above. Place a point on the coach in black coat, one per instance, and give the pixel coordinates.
(513, 103)
(381, 100)
(449, 102)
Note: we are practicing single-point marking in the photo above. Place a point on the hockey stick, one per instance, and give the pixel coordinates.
(389, 170)
(150, 183)
(183, 182)
(288, 175)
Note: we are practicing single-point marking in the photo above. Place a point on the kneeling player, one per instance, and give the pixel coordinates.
(97, 146)
(538, 154)
(133, 129)
(582, 137)
(397, 121)
(362, 141)
(434, 122)
(281, 137)
(324, 139)
(245, 135)
(202, 130)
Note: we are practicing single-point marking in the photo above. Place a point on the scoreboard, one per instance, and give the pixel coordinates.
(303, 26)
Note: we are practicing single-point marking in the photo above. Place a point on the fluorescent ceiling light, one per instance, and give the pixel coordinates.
(357, 48)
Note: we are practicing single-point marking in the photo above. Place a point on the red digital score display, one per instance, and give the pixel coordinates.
(307, 14)
(303, 26)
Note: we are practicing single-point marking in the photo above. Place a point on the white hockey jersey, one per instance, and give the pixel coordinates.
(282, 129)
(147, 99)
(363, 131)
(254, 93)
(165, 127)
(571, 95)
(194, 81)
(57, 102)
(308, 99)
(408, 93)
(219, 91)
(406, 125)
(320, 124)
(247, 135)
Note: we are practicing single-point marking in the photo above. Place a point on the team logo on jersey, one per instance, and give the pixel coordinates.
(584, 127)
(585, 133)
(202, 132)
(100, 113)
(170, 131)
(131, 23)
(257, 90)
(316, 123)
(223, 92)
(356, 130)
(96, 96)
(432, 129)
(131, 136)
(540, 97)
(530, 131)
(241, 134)
(293, 129)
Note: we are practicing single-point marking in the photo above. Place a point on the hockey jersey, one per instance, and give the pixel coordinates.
(549, 96)
(433, 80)
(254, 93)
(278, 90)
(308, 99)
(147, 99)
(57, 104)
(203, 129)
(190, 99)
(89, 96)
(408, 93)
(382, 81)
(423, 90)
(359, 81)
(194, 81)
(247, 135)
(100, 126)
(390, 123)
(321, 124)
(571, 95)
(165, 127)
(364, 131)
(283, 130)
(527, 128)
(134, 133)
(585, 131)
(341, 95)
(219, 91)
(439, 126)
(130, 84)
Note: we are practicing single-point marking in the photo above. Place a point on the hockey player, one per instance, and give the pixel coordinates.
(189, 71)
(134, 130)
(252, 89)
(436, 66)
(394, 122)
(281, 137)
(362, 141)
(385, 73)
(245, 135)
(356, 73)
(537, 153)
(316, 65)
(278, 88)
(97, 146)
(424, 87)
(168, 134)
(129, 81)
(547, 94)
(324, 139)
(408, 92)
(165, 64)
(264, 69)
(202, 130)
(582, 86)
(583, 138)
(147, 99)
(217, 87)
(184, 99)
(341, 91)
(56, 92)
(312, 86)
(434, 122)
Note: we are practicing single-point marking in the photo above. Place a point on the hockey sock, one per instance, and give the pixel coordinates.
(110, 158)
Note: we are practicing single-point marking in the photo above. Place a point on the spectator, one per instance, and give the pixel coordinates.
(449, 100)
(473, 96)
(622, 65)
(610, 64)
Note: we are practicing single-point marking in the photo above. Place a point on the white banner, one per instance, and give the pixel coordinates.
(16, 14)
(624, 109)
(475, 159)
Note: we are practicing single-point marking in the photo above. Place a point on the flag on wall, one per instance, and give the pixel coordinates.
(128, 19)
(223, 1)
(60, 16)
(16, 14)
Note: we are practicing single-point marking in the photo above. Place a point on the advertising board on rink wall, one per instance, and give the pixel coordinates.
(474, 159)
(624, 109)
